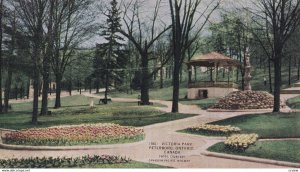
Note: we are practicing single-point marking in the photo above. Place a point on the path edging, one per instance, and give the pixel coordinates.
(58, 148)
(241, 110)
(251, 159)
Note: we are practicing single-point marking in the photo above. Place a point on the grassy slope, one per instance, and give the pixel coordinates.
(270, 125)
(276, 150)
(75, 110)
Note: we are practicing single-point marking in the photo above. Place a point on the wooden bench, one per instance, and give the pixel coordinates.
(103, 100)
(140, 103)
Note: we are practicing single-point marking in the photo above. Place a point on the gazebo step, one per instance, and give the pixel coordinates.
(297, 85)
(290, 92)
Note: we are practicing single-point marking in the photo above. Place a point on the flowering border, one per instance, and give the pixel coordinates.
(75, 135)
(240, 142)
(219, 130)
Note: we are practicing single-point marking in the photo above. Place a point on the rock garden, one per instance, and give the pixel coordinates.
(243, 100)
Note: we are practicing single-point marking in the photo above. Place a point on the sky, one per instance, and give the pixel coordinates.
(149, 5)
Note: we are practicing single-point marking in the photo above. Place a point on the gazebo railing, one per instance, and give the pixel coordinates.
(219, 84)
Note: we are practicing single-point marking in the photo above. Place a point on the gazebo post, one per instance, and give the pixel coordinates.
(228, 75)
(190, 73)
(216, 72)
(195, 69)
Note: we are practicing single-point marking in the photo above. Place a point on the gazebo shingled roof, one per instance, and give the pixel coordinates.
(213, 59)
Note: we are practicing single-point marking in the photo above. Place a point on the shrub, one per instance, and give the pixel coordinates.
(240, 142)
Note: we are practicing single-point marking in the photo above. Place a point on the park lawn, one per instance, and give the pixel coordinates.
(275, 150)
(294, 103)
(75, 110)
(269, 125)
(203, 104)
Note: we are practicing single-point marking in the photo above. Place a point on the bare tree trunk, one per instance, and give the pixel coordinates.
(80, 87)
(298, 72)
(58, 91)
(290, 71)
(70, 88)
(176, 85)
(106, 87)
(16, 92)
(44, 109)
(97, 85)
(161, 78)
(270, 75)
(36, 82)
(28, 88)
(145, 79)
(181, 71)
(277, 82)
(90, 87)
(7, 89)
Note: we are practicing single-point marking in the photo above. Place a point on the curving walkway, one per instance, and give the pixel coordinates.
(158, 133)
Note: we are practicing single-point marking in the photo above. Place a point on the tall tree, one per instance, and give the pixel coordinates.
(9, 62)
(113, 45)
(33, 13)
(143, 38)
(47, 56)
(184, 20)
(73, 24)
(1, 67)
(283, 17)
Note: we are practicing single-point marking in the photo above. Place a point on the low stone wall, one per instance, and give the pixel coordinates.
(213, 92)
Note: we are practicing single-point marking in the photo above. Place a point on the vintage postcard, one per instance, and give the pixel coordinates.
(142, 84)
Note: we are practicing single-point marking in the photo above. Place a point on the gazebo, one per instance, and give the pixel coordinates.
(213, 88)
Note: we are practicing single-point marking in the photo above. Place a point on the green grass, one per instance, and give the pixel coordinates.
(275, 150)
(133, 164)
(294, 103)
(203, 104)
(269, 125)
(75, 110)
(155, 94)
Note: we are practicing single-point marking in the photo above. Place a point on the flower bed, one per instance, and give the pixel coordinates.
(219, 130)
(75, 135)
(240, 142)
(62, 162)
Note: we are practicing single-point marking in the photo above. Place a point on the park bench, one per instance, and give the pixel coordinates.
(103, 100)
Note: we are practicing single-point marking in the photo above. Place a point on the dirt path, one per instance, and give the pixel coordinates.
(158, 134)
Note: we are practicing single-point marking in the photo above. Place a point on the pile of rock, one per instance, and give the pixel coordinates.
(246, 100)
